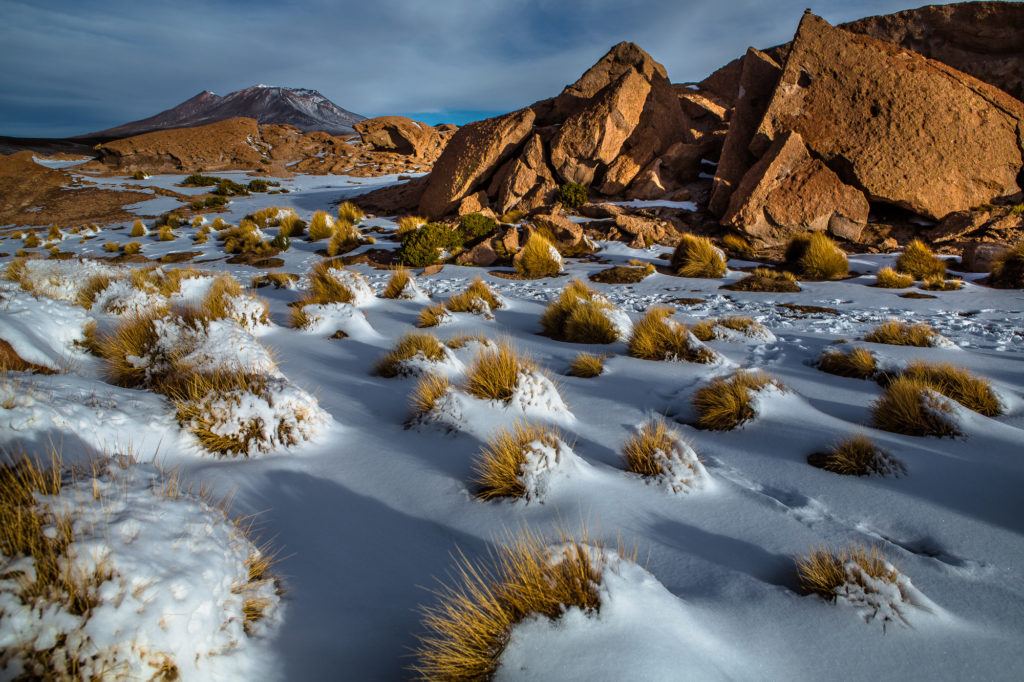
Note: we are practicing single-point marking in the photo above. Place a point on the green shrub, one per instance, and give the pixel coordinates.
(572, 195)
(424, 246)
(200, 180)
(260, 185)
(476, 226)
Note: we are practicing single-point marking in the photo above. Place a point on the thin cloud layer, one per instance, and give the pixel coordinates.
(72, 66)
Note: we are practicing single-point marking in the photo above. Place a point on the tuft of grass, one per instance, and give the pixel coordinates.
(910, 406)
(131, 248)
(432, 316)
(623, 274)
(738, 247)
(280, 280)
(856, 363)
(823, 571)
(898, 333)
(766, 280)
(649, 447)
(709, 329)
(290, 226)
(552, 321)
(87, 292)
(586, 366)
(408, 347)
(470, 626)
(31, 241)
(887, 278)
(112, 247)
(428, 390)
(724, 404)
(657, 337)
(958, 384)
(1008, 269)
(588, 322)
(321, 226)
(495, 372)
(538, 258)
(219, 302)
(856, 456)
(499, 468)
(398, 282)
(698, 257)
(132, 338)
(478, 288)
(138, 229)
(920, 262)
(816, 257)
(165, 233)
(344, 238)
(350, 213)
(410, 223)
(939, 283)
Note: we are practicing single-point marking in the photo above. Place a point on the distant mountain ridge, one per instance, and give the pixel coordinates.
(307, 110)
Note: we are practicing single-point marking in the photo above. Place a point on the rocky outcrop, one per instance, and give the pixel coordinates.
(525, 181)
(402, 135)
(907, 130)
(758, 77)
(787, 192)
(471, 157)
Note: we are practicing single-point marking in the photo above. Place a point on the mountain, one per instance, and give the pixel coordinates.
(305, 109)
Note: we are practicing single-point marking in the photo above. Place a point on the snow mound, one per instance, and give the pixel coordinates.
(62, 279)
(121, 297)
(173, 586)
(419, 364)
(329, 318)
(681, 469)
(362, 292)
(544, 464)
(412, 291)
(248, 311)
(753, 332)
(888, 599)
(41, 331)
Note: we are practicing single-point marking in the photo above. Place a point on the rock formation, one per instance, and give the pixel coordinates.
(402, 135)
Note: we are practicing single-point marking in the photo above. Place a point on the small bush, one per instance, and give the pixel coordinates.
(724, 404)
(920, 262)
(572, 195)
(499, 469)
(580, 315)
(958, 384)
(552, 321)
(512, 217)
(495, 372)
(350, 213)
(408, 347)
(857, 363)
(856, 456)
(910, 406)
(887, 278)
(698, 257)
(229, 188)
(223, 301)
(428, 390)
(1008, 269)
(138, 229)
(816, 257)
(586, 366)
(321, 226)
(766, 280)
(432, 316)
(139, 175)
(897, 333)
(824, 572)
(657, 337)
(538, 258)
(623, 274)
(426, 245)
(475, 226)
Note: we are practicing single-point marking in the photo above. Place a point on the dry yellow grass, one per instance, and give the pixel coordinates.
(538, 258)
(10, 361)
(280, 280)
(647, 448)
(132, 338)
(409, 346)
(816, 257)
(552, 321)
(920, 262)
(350, 213)
(111, 247)
(398, 282)
(586, 366)
(958, 384)
(131, 248)
(940, 283)
(463, 340)
(855, 456)
(898, 333)
(706, 330)
(344, 238)
(218, 302)
(739, 247)
(291, 225)
(856, 363)
(426, 393)
(656, 337)
(321, 226)
(698, 257)
(138, 229)
(164, 233)
(432, 316)
(588, 322)
(31, 241)
(495, 372)
(887, 278)
(498, 469)
(823, 571)
(87, 292)
(766, 280)
(909, 406)
(17, 271)
(468, 300)
(724, 404)
(410, 223)
(470, 627)
(1008, 269)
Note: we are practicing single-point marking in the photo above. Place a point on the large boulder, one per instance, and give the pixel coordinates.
(758, 78)
(907, 130)
(788, 192)
(398, 134)
(472, 155)
(525, 181)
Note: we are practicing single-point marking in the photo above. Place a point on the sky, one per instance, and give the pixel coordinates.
(73, 66)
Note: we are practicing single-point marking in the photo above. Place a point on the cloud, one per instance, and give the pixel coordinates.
(70, 66)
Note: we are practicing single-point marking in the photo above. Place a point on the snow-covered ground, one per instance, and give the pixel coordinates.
(366, 516)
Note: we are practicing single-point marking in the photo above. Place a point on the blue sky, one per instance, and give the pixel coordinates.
(73, 66)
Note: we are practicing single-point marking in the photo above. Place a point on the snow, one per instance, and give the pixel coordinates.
(368, 510)
(656, 203)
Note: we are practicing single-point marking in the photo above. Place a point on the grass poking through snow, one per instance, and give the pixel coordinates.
(724, 404)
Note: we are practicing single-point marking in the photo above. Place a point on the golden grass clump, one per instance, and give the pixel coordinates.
(498, 471)
(724, 404)
(766, 280)
(164, 233)
(624, 274)
(219, 303)
(350, 213)
(94, 285)
(290, 225)
(467, 301)
(940, 283)
(31, 241)
(470, 627)
(408, 347)
(426, 393)
(410, 223)
(911, 406)
(138, 229)
(709, 329)
(898, 333)
(920, 262)
(324, 288)
(344, 238)
(958, 384)
(823, 571)
(586, 366)
(538, 258)
(321, 226)
(552, 321)
(648, 448)
(400, 279)
(856, 363)
(887, 278)
(1008, 269)
(432, 316)
(133, 338)
(17, 271)
(111, 247)
(856, 456)
(657, 337)
(10, 361)
(495, 372)
(131, 248)
(816, 257)
(698, 257)
(739, 247)
(588, 322)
